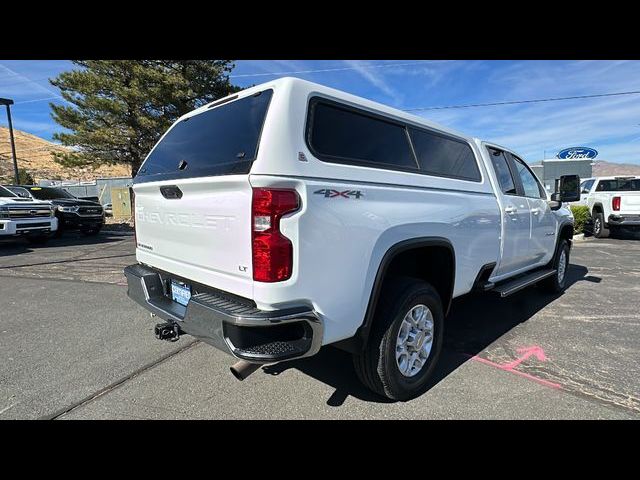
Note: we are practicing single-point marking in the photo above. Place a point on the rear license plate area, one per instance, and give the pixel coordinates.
(180, 292)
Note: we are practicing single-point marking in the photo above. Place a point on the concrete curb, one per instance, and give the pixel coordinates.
(579, 237)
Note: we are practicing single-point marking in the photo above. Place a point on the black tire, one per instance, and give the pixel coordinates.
(38, 240)
(599, 228)
(554, 284)
(376, 366)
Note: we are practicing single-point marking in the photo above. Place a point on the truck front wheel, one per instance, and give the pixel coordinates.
(405, 340)
(557, 282)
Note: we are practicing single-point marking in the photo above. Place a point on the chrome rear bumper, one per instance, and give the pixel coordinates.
(229, 324)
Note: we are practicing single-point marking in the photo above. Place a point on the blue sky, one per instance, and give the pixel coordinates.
(611, 124)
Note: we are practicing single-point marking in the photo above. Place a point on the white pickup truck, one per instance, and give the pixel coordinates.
(291, 216)
(613, 202)
(23, 217)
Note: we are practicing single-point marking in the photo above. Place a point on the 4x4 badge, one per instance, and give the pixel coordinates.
(330, 193)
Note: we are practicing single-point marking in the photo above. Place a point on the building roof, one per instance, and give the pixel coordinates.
(565, 160)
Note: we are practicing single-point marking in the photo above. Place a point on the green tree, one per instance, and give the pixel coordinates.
(25, 178)
(118, 109)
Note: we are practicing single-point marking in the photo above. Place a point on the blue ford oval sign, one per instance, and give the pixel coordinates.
(577, 153)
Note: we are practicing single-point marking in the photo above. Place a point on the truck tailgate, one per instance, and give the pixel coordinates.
(629, 203)
(203, 236)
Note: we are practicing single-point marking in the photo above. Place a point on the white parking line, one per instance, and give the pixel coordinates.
(7, 408)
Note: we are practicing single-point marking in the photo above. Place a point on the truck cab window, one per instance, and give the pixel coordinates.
(501, 167)
(619, 185)
(585, 187)
(531, 186)
(5, 193)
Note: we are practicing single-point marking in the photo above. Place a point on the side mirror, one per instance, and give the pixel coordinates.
(569, 189)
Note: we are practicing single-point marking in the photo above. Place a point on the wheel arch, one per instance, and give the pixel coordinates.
(394, 262)
(565, 232)
(597, 207)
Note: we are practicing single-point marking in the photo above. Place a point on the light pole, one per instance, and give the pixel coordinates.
(7, 102)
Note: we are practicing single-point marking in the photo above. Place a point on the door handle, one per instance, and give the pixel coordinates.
(511, 210)
(535, 211)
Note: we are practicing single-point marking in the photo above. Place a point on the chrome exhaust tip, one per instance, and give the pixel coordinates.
(243, 369)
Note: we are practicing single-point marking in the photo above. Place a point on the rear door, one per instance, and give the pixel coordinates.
(516, 216)
(193, 196)
(543, 221)
(585, 188)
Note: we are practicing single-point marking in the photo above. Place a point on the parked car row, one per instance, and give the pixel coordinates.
(26, 217)
(38, 212)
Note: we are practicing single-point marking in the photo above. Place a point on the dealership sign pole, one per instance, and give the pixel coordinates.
(7, 102)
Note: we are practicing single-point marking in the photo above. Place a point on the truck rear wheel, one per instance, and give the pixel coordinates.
(599, 229)
(405, 340)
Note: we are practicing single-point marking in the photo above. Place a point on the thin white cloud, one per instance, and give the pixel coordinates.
(376, 78)
(296, 68)
(28, 86)
(606, 124)
(260, 68)
(36, 100)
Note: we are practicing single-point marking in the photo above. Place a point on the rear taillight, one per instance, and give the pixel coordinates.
(133, 216)
(272, 251)
(615, 203)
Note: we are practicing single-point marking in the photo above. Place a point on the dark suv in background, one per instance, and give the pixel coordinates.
(72, 213)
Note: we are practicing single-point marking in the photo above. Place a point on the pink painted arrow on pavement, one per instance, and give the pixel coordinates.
(525, 353)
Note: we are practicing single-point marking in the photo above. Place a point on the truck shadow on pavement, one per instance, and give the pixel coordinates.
(619, 233)
(476, 320)
(10, 247)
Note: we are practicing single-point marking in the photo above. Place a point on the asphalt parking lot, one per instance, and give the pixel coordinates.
(73, 346)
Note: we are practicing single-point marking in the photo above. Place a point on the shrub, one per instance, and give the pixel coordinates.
(25, 178)
(581, 216)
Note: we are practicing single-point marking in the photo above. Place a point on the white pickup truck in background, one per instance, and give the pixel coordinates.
(291, 216)
(24, 217)
(612, 201)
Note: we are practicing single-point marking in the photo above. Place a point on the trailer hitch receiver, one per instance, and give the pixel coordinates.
(167, 331)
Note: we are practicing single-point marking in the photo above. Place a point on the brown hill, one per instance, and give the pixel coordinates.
(602, 168)
(34, 155)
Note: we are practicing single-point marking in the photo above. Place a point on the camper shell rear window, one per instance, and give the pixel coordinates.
(220, 141)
